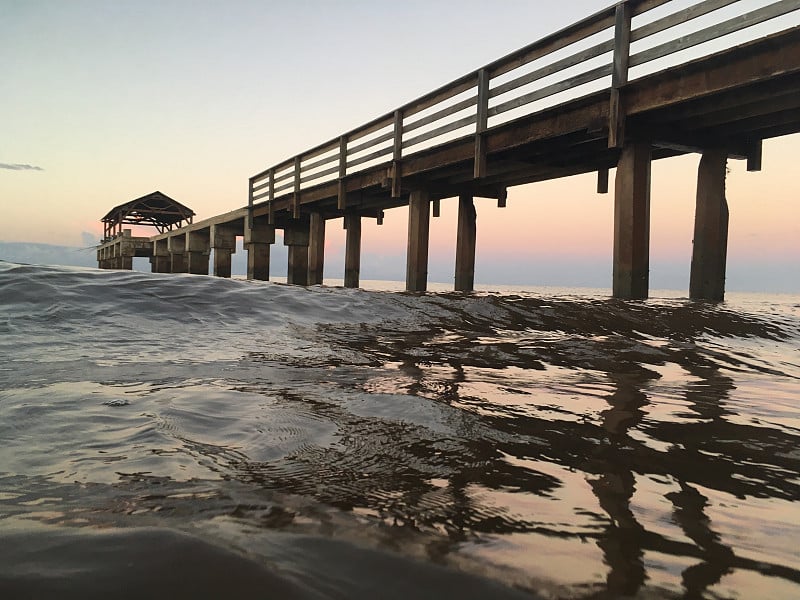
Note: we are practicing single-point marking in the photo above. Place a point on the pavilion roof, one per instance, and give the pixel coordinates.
(156, 209)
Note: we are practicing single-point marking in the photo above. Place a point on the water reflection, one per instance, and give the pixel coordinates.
(474, 371)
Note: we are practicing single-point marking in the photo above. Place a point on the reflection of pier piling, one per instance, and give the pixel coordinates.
(524, 118)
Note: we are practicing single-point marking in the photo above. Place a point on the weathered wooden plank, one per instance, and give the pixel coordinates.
(355, 149)
(352, 252)
(460, 85)
(418, 234)
(561, 39)
(321, 149)
(271, 198)
(754, 157)
(761, 60)
(341, 188)
(631, 267)
(309, 166)
(710, 246)
(619, 75)
(565, 63)
(316, 249)
(602, 181)
(465, 245)
(732, 25)
(368, 157)
(679, 18)
(371, 127)
(440, 114)
(439, 131)
(286, 186)
(397, 135)
(319, 174)
(397, 154)
(296, 197)
(550, 90)
(481, 123)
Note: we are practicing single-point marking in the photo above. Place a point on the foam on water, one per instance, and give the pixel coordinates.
(564, 445)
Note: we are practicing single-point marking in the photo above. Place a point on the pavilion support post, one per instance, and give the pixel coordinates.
(257, 241)
(419, 215)
(176, 246)
(223, 241)
(352, 250)
(465, 245)
(197, 251)
(316, 249)
(296, 235)
(710, 249)
(632, 222)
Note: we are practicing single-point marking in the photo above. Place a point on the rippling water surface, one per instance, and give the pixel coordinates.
(167, 435)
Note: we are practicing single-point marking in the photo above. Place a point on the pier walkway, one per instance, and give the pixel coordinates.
(639, 81)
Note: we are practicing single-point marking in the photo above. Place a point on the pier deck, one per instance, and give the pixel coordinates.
(628, 85)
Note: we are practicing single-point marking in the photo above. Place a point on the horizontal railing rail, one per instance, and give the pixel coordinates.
(603, 51)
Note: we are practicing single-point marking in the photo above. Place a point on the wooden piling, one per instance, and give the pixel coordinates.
(223, 242)
(465, 245)
(419, 215)
(198, 251)
(257, 242)
(710, 248)
(352, 252)
(316, 249)
(632, 222)
(258, 261)
(176, 246)
(296, 236)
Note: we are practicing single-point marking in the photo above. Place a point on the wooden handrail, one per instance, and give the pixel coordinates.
(441, 111)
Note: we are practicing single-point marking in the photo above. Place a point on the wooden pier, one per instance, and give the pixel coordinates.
(597, 95)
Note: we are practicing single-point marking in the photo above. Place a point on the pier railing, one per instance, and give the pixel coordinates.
(604, 51)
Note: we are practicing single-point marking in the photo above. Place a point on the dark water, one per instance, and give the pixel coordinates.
(179, 436)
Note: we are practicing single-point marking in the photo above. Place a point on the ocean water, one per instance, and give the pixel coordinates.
(167, 436)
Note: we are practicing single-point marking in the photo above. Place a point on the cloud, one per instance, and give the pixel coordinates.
(16, 167)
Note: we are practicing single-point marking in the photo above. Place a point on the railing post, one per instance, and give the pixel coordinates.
(296, 199)
(397, 153)
(342, 202)
(250, 203)
(619, 74)
(481, 124)
(271, 197)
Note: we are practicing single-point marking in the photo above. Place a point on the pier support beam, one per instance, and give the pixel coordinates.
(296, 236)
(710, 249)
(126, 251)
(632, 222)
(176, 245)
(316, 249)
(419, 217)
(257, 241)
(160, 260)
(197, 251)
(465, 245)
(352, 250)
(223, 241)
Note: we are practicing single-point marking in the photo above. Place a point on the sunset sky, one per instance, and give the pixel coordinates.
(103, 102)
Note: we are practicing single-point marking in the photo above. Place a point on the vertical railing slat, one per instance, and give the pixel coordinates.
(397, 153)
(342, 200)
(619, 74)
(481, 124)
